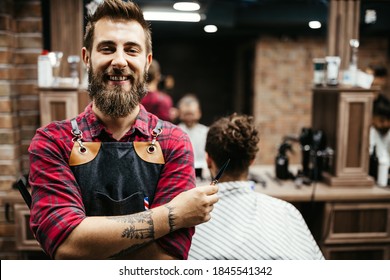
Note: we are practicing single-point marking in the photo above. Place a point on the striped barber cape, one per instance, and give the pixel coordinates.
(246, 225)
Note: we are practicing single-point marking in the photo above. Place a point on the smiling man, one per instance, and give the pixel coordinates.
(115, 181)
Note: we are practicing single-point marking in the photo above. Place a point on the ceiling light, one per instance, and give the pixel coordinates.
(186, 6)
(171, 16)
(370, 16)
(314, 24)
(210, 28)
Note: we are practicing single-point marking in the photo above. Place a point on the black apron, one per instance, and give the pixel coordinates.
(116, 178)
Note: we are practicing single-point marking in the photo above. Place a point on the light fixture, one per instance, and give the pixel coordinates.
(370, 17)
(186, 6)
(171, 16)
(210, 28)
(314, 24)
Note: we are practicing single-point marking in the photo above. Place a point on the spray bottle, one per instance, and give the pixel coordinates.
(281, 162)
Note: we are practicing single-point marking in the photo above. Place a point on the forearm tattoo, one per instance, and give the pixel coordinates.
(134, 230)
(171, 218)
(140, 226)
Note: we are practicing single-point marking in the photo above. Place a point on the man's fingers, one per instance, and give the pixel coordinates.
(210, 189)
(213, 198)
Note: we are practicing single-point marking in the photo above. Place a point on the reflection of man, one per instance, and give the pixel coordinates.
(380, 77)
(156, 101)
(115, 182)
(379, 132)
(189, 116)
(246, 224)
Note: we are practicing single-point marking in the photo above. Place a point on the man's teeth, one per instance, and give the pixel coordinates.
(118, 78)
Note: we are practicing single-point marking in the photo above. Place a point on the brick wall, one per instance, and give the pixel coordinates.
(20, 45)
(283, 80)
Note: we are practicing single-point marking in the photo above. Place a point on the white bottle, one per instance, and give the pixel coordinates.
(45, 70)
(332, 70)
(383, 173)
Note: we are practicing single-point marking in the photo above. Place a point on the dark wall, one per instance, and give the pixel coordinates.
(205, 67)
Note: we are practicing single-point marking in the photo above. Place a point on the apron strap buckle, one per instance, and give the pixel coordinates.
(78, 135)
(155, 133)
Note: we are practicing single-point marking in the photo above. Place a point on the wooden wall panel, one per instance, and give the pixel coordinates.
(66, 23)
(343, 25)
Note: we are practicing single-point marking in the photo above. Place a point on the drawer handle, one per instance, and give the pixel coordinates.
(7, 213)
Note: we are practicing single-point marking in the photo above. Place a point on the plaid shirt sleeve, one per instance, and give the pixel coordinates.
(57, 206)
(177, 176)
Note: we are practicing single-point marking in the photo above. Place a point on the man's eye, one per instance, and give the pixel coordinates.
(132, 50)
(106, 49)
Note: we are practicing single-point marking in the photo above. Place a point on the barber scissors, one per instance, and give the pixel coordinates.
(220, 172)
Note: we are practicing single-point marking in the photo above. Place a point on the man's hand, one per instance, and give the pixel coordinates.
(192, 207)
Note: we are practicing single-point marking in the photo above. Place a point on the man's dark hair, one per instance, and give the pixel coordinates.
(233, 137)
(154, 71)
(116, 10)
(381, 106)
(378, 70)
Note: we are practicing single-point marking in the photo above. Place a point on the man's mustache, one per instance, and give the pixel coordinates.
(116, 71)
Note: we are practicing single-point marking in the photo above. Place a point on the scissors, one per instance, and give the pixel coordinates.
(220, 172)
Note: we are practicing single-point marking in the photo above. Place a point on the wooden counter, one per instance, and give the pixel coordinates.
(319, 191)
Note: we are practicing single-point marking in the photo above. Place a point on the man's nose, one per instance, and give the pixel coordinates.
(119, 60)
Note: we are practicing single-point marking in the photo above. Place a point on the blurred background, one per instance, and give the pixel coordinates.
(246, 56)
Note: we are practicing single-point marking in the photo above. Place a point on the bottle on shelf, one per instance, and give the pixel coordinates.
(45, 70)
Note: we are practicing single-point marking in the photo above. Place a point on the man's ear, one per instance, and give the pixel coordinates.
(210, 165)
(208, 161)
(149, 59)
(86, 56)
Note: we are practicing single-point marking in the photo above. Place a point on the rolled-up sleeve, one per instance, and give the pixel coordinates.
(57, 206)
(177, 176)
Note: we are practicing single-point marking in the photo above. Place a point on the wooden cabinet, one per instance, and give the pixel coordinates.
(347, 222)
(16, 238)
(61, 103)
(352, 252)
(356, 222)
(24, 239)
(356, 230)
(344, 114)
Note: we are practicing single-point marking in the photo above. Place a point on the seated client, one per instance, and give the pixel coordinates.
(246, 224)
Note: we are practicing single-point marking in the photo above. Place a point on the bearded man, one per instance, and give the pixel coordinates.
(115, 181)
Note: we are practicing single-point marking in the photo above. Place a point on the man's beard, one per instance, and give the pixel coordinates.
(115, 101)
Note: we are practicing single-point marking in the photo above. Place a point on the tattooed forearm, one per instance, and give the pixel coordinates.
(171, 218)
(140, 226)
(133, 233)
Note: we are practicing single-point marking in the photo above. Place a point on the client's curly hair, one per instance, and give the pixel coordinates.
(233, 137)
